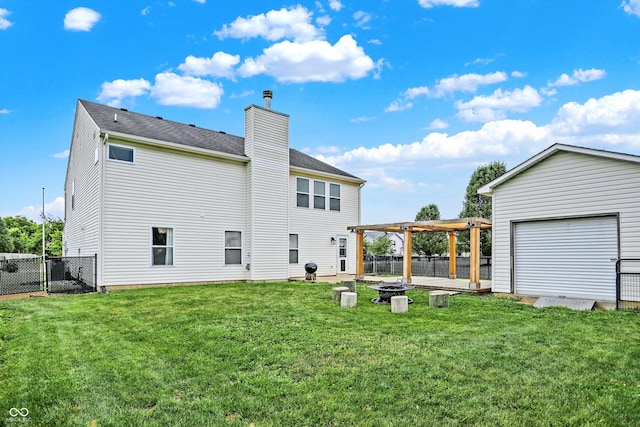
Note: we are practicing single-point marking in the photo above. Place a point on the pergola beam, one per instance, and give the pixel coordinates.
(450, 226)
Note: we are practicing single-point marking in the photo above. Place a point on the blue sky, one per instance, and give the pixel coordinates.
(411, 95)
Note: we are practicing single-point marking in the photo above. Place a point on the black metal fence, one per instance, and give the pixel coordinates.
(61, 275)
(71, 274)
(628, 284)
(21, 275)
(425, 266)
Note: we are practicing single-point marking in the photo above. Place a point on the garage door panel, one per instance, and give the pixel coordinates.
(572, 257)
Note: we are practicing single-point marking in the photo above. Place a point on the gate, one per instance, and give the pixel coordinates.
(20, 275)
(628, 284)
(71, 275)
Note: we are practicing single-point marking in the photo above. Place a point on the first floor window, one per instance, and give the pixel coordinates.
(161, 246)
(232, 247)
(293, 248)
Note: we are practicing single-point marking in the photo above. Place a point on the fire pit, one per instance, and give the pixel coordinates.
(387, 290)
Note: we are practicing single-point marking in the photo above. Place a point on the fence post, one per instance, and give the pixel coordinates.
(95, 272)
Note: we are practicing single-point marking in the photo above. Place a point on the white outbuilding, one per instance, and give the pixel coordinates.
(561, 221)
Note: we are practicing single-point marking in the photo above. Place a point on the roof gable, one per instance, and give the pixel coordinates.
(487, 189)
(120, 120)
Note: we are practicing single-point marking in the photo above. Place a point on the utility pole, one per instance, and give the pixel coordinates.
(43, 219)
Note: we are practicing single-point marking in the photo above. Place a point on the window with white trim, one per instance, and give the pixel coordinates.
(302, 192)
(293, 248)
(232, 247)
(319, 195)
(161, 246)
(334, 197)
(120, 153)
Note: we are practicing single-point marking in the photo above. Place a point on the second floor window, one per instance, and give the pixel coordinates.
(302, 192)
(319, 195)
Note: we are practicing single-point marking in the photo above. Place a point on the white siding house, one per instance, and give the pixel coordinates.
(562, 219)
(162, 202)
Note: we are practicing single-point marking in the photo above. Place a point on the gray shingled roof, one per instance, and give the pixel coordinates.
(141, 125)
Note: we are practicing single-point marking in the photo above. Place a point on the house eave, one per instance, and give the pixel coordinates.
(172, 145)
(333, 176)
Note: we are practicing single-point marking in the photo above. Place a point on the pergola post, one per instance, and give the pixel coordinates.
(474, 261)
(360, 254)
(452, 254)
(406, 259)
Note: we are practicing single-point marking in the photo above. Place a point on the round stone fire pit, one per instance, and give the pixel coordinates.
(387, 290)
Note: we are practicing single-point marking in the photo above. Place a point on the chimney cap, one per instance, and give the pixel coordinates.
(267, 94)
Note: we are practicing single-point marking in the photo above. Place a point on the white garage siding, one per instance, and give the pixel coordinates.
(564, 182)
(574, 258)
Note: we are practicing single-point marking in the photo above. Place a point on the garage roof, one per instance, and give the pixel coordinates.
(487, 189)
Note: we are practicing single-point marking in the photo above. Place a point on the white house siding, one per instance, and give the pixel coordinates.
(566, 185)
(81, 234)
(267, 145)
(316, 227)
(200, 197)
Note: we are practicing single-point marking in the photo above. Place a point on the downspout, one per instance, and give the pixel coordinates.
(100, 276)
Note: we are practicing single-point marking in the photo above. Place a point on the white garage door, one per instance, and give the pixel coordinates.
(573, 258)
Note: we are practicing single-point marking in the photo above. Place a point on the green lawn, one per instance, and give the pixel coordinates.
(284, 354)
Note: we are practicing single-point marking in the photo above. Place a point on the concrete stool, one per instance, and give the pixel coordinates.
(438, 299)
(337, 291)
(348, 299)
(399, 304)
(351, 284)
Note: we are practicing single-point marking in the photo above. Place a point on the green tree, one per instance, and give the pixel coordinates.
(26, 235)
(429, 243)
(477, 205)
(6, 243)
(381, 246)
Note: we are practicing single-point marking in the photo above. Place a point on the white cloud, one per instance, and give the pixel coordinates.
(280, 24)
(186, 91)
(362, 18)
(467, 82)
(61, 155)
(219, 65)
(242, 94)
(518, 74)
(455, 3)
(618, 113)
(4, 22)
(146, 11)
(377, 42)
(438, 124)
(200, 1)
(336, 5)
(632, 7)
(495, 106)
(323, 21)
(53, 209)
(414, 92)
(315, 60)
(113, 93)
(81, 19)
(579, 76)
(5, 111)
(398, 105)
(612, 119)
(361, 119)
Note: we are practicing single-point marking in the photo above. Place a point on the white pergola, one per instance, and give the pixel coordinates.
(450, 226)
